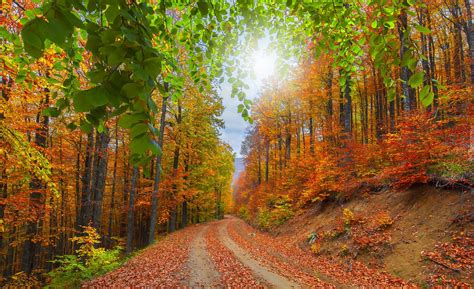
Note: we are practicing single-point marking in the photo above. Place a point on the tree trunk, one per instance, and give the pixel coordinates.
(6, 84)
(458, 53)
(112, 198)
(131, 212)
(329, 108)
(405, 73)
(311, 128)
(86, 198)
(37, 201)
(173, 213)
(288, 140)
(347, 107)
(100, 175)
(156, 184)
(125, 197)
(184, 214)
(469, 30)
(432, 65)
(267, 159)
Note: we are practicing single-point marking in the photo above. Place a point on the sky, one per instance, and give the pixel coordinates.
(263, 64)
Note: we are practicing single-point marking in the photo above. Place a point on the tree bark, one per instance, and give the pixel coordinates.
(173, 213)
(156, 184)
(100, 175)
(131, 212)
(112, 198)
(405, 73)
(267, 159)
(86, 198)
(37, 201)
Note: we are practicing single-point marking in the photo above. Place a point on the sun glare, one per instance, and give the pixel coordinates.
(263, 63)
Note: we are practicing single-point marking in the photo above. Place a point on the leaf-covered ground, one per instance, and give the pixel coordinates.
(230, 253)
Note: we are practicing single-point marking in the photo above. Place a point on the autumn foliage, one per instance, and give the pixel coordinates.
(323, 136)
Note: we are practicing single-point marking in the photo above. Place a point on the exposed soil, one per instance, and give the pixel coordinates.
(263, 273)
(202, 270)
(422, 218)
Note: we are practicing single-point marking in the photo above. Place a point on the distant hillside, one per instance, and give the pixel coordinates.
(239, 167)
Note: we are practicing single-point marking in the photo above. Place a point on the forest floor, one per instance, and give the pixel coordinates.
(419, 237)
(231, 253)
(423, 235)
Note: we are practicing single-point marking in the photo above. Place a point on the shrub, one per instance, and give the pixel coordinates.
(268, 219)
(89, 261)
(348, 218)
(276, 212)
(244, 213)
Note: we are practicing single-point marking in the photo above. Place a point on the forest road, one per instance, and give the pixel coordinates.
(204, 273)
(207, 255)
(269, 278)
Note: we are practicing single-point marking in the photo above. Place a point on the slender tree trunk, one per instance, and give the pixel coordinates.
(156, 184)
(184, 214)
(86, 198)
(458, 53)
(100, 177)
(6, 84)
(311, 128)
(185, 208)
(469, 31)
(405, 73)
(78, 182)
(31, 249)
(131, 212)
(432, 65)
(267, 159)
(112, 198)
(126, 190)
(329, 107)
(288, 140)
(347, 108)
(173, 213)
(259, 168)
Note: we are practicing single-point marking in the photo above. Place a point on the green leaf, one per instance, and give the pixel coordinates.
(51, 111)
(423, 29)
(155, 147)
(128, 120)
(140, 144)
(389, 10)
(416, 79)
(203, 7)
(389, 24)
(33, 39)
(85, 126)
(374, 24)
(58, 28)
(101, 128)
(138, 129)
(86, 100)
(117, 56)
(426, 96)
(132, 90)
(152, 66)
(71, 126)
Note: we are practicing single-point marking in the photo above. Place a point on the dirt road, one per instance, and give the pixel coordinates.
(230, 253)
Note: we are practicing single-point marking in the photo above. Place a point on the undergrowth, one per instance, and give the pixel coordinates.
(89, 261)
